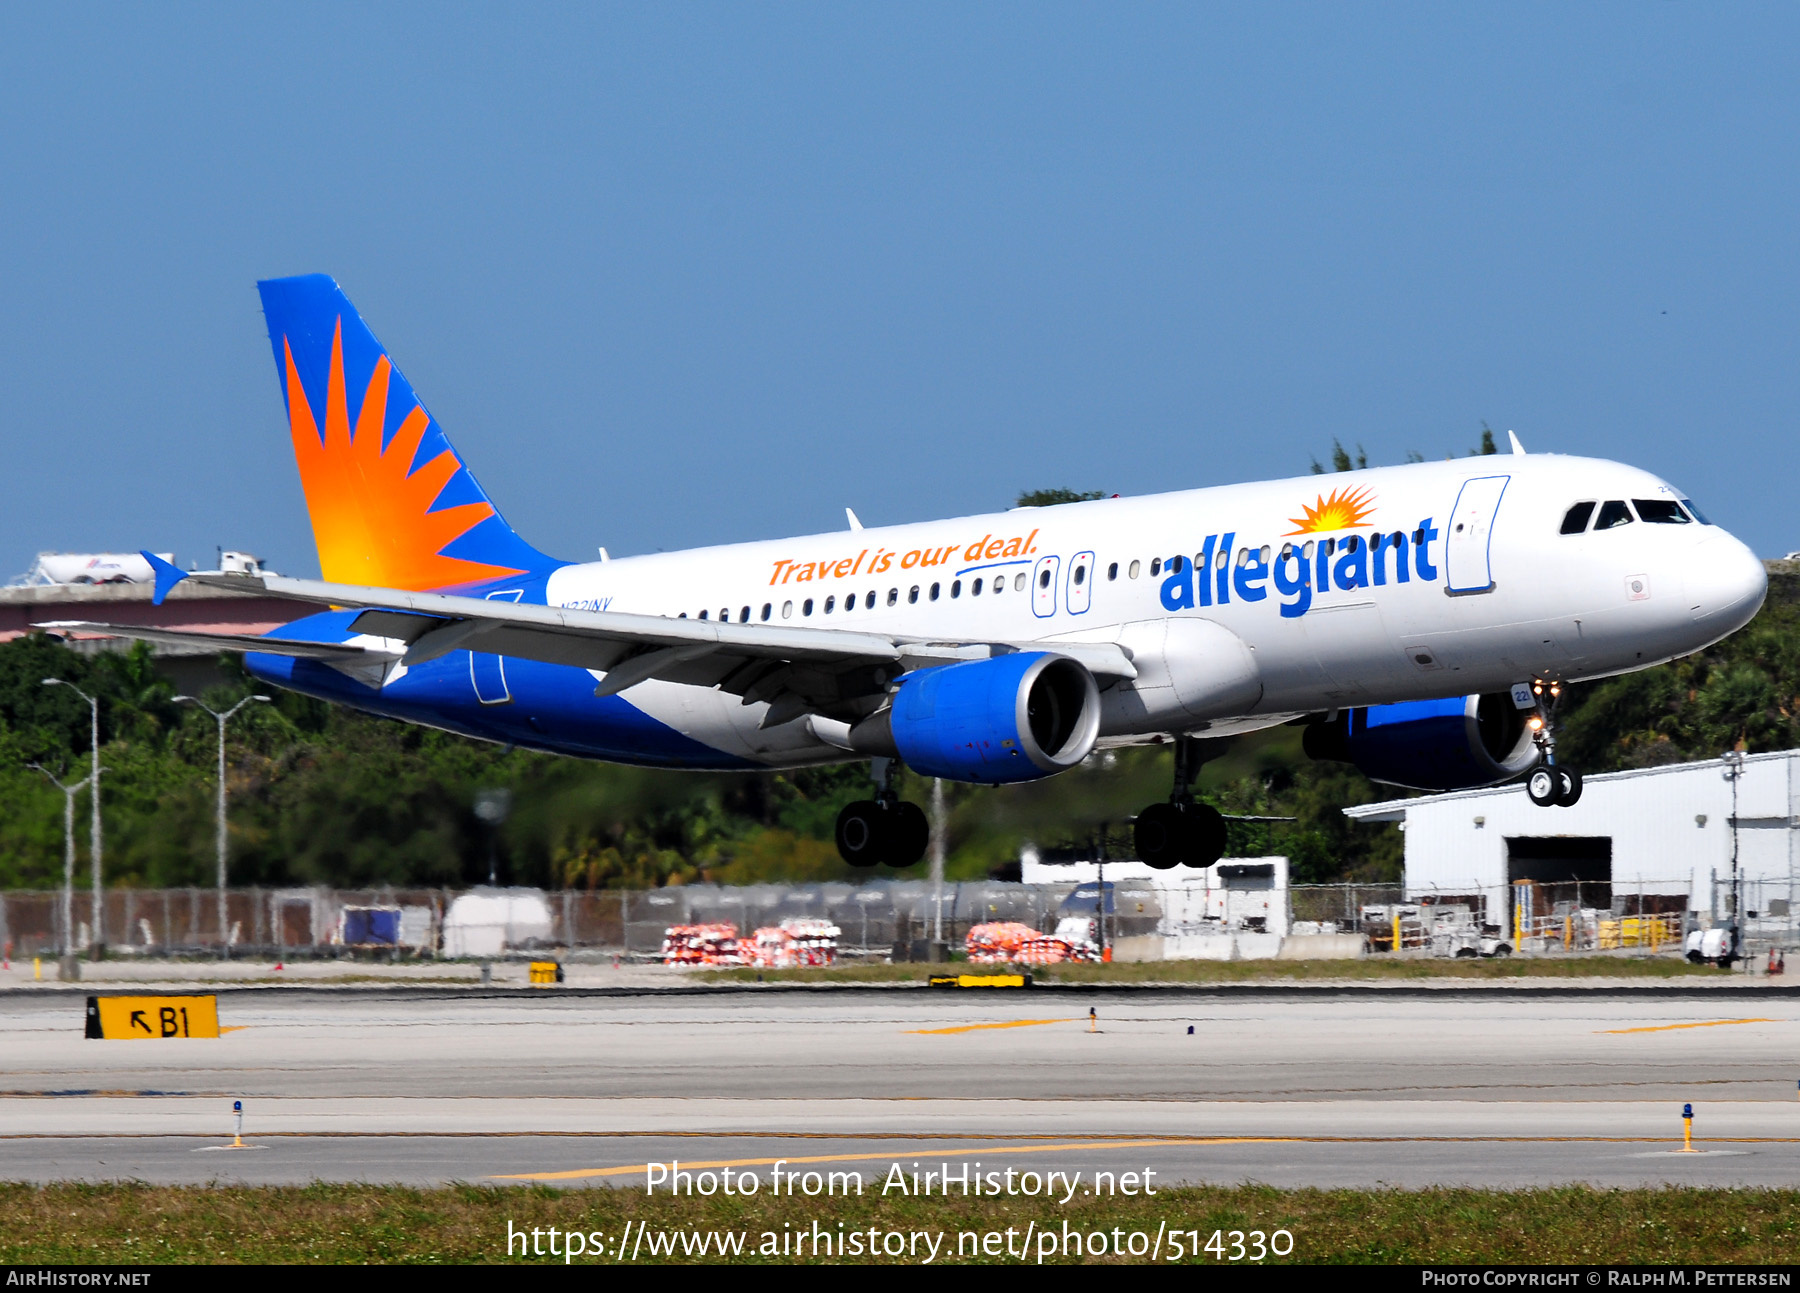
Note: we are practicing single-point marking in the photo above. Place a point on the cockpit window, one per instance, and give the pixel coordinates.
(1659, 511)
(1576, 518)
(1613, 512)
(1695, 512)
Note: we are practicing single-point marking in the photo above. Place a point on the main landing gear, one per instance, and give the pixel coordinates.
(882, 829)
(1550, 784)
(1182, 831)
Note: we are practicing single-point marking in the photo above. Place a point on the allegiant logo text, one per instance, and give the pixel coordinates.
(1298, 570)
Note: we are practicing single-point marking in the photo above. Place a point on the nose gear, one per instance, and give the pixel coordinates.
(1550, 784)
(1182, 832)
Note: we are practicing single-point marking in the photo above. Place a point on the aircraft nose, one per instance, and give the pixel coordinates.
(1725, 583)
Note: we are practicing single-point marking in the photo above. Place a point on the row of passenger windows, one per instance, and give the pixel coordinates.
(1615, 512)
(997, 584)
(869, 600)
(1352, 543)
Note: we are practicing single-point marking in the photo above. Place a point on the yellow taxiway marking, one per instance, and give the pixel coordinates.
(975, 1028)
(1705, 1023)
(858, 1158)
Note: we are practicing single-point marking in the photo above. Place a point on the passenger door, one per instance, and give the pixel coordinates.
(1081, 583)
(1469, 534)
(487, 672)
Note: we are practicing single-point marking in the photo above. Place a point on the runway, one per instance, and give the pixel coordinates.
(1315, 1088)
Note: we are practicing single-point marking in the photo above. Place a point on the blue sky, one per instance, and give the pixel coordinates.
(683, 274)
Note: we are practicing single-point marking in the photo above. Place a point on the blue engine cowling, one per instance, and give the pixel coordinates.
(1011, 718)
(1452, 744)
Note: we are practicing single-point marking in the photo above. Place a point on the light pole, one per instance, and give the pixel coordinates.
(1734, 769)
(99, 931)
(68, 892)
(223, 718)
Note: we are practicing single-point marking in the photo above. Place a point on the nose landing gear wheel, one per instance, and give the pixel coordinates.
(1543, 786)
(1568, 786)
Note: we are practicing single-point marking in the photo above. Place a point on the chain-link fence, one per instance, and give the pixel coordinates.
(884, 917)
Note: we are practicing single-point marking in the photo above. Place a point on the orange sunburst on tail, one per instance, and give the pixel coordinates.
(1341, 510)
(371, 515)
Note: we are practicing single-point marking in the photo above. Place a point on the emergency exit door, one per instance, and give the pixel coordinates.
(1468, 536)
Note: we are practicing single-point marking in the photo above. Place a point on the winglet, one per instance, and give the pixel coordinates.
(1517, 447)
(850, 516)
(167, 576)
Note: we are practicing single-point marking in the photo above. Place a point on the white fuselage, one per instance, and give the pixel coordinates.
(1470, 588)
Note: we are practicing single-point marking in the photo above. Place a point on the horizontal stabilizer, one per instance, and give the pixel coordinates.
(168, 574)
(327, 651)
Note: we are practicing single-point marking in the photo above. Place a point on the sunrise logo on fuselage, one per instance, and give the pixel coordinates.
(1299, 571)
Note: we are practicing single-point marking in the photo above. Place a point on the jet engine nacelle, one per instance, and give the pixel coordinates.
(1010, 718)
(1453, 744)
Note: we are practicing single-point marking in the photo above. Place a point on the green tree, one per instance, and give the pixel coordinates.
(1052, 497)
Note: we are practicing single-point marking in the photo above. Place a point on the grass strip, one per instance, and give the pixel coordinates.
(338, 1224)
(1402, 970)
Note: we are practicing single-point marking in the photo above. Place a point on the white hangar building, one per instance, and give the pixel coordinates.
(1652, 839)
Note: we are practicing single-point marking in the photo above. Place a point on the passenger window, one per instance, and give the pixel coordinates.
(1353, 543)
(682, 616)
(806, 607)
(913, 597)
(1044, 579)
(1306, 549)
(1112, 572)
(1019, 581)
(1243, 556)
(1131, 571)
(830, 604)
(1613, 512)
(934, 592)
(956, 588)
(1176, 565)
(893, 597)
(702, 614)
(1000, 583)
(1576, 518)
(767, 607)
(1224, 558)
(1694, 511)
(1659, 511)
(975, 587)
(724, 614)
(744, 616)
(787, 611)
(1155, 567)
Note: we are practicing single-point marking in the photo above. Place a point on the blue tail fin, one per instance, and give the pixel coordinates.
(392, 504)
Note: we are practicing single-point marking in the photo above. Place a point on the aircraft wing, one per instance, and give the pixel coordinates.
(835, 672)
(330, 652)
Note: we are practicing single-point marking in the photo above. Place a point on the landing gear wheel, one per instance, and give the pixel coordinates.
(1160, 836)
(1543, 786)
(862, 833)
(908, 834)
(1206, 835)
(1568, 786)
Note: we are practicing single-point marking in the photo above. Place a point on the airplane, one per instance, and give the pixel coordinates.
(1419, 621)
